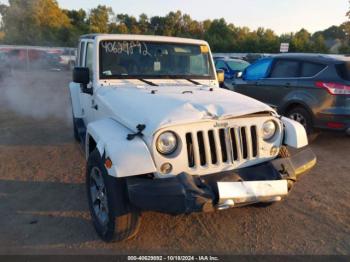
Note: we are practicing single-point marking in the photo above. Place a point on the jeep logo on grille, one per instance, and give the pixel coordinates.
(221, 125)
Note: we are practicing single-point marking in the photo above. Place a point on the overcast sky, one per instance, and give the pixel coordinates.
(280, 15)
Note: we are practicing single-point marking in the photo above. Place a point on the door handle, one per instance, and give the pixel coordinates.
(94, 107)
(288, 85)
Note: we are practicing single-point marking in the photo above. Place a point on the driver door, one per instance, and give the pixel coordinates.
(87, 100)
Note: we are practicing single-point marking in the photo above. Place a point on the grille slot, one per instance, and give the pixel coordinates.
(214, 157)
(234, 139)
(223, 145)
(244, 142)
(202, 154)
(213, 147)
(190, 153)
(254, 135)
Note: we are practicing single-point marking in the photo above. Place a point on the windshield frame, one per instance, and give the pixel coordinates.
(211, 76)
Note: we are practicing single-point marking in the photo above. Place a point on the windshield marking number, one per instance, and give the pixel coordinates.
(127, 47)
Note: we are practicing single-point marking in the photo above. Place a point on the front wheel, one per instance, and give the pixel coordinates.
(302, 116)
(112, 216)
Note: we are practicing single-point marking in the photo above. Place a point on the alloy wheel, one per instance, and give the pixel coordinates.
(299, 118)
(99, 195)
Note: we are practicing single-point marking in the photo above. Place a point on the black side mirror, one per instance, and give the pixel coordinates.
(81, 75)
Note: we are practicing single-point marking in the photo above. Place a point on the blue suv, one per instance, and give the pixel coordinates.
(230, 66)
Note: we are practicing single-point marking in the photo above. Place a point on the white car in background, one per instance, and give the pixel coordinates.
(67, 58)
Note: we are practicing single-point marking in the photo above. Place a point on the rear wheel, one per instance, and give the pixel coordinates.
(112, 216)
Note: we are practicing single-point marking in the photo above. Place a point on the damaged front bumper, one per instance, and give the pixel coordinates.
(185, 194)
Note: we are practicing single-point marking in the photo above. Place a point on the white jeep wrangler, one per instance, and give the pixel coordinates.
(160, 135)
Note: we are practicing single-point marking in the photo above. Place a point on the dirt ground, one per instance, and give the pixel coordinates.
(43, 207)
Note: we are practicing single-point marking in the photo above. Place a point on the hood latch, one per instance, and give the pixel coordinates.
(139, 128)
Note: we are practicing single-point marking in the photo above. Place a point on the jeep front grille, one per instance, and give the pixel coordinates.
(225, 145)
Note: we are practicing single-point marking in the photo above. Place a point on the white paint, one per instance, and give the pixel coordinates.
(75, 98)
(129, 158)
(295, 133)
(132, 105)
(174, 105)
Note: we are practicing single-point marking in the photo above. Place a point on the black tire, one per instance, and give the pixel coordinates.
(312, 134)
(302, 116)
(75, 131)
(121, 220)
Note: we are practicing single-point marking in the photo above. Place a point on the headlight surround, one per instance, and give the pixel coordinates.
(269, 130)
(167, 143)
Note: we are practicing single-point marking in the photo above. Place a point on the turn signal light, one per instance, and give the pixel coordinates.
(108, 163)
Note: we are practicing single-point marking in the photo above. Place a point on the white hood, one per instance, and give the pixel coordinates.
(162, 106)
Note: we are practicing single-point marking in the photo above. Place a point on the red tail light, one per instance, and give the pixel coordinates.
(335, 125)
(334, 88)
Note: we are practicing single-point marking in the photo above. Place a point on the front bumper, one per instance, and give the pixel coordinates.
(185, 194)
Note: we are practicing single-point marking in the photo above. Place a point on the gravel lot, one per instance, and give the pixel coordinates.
(43, 207)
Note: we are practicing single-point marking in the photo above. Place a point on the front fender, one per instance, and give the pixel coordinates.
(294, 133)
(129, 157)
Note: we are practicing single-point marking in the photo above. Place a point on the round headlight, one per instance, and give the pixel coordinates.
(269, 129)
(166, 143)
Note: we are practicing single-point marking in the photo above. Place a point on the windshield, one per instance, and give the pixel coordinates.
(138, 59)
(238, 65)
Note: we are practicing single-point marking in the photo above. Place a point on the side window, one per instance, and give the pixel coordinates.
(221, 65)
(258, 70)
(81, 53)
(311, 69)
(88, 58)
(285, 69)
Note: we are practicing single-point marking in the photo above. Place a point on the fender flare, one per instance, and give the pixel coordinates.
(129, 157)
(294, 133)
(301, 98)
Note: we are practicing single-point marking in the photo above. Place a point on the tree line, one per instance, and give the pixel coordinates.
(43, 22)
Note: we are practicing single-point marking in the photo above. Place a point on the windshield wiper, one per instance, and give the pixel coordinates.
(193, 82)
(147, 82)
(188, 79)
